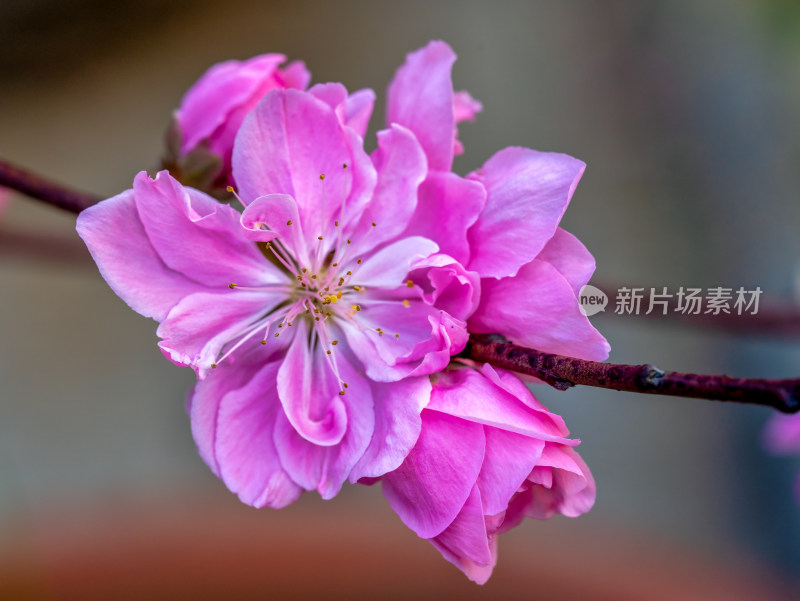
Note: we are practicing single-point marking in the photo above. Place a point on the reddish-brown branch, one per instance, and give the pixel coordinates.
(37, 187)
(562, 372)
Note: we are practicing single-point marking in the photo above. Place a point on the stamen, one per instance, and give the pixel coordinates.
(406, 303)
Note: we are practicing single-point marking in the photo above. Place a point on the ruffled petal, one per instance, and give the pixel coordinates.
(287, 143)
(200, 325)
(446, 285)
(119, 245)
(466, 544)
(570, 257)
(326, 468)
(420, 98)
(358, 110)
(397, 425)
(248, 460)
(538, 308)
(470, 395)
(432, 485)
(196, 235)
(278, 212)
(389, 267)
(294, 75)
(401, 167)
(527, 194)
(223, 88)
(448, 206)
(465, 108)
(309, 392)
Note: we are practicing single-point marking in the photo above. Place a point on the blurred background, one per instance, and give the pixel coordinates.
(687, 114)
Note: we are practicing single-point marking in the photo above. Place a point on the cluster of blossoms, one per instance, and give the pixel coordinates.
(325, 319)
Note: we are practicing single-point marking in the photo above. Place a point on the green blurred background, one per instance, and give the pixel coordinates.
(687, 116)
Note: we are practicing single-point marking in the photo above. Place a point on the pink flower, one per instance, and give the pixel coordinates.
(299, 349)
(501, 222)
(213, 109)
(489, 454)
(782, 437)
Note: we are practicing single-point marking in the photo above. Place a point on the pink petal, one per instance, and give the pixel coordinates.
(466, 544)
(248, 460)
(397, 425)
(509, 460)
(196, 329)
(358, 110)
(196, 235)
(427, 339)
(465, 107)
(309, 392)
(527, 194)
(401, 167)
(294, 75)
(570, 257)
(469, 395)
(127, 261)
(448, 206)
(287, 143)
(389, 267)
(432, 485)
(326, 468)
(782, 434)
(225, 86)
(279, 213)
(420, 98)
(447, 285)
(333, 94)
(538, 308)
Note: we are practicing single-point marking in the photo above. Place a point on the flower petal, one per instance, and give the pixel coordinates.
(279, 213)
(448, 206)
(401, 167)
(432, 485)
(420, 98)
(309, 392)
(287, 143)
(538, 308)
(570, 257)
(196, 235)
(248, 460)
(447, 285)
(527, 194)
(223, 88)
(466, 544)
(389, 267)
(468, 394)
(326, 468)
(200, 325)
(119, 245)
(397, 425)
(358, 110)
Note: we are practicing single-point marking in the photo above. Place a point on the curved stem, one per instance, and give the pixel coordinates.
(35, 186)
(563, 372)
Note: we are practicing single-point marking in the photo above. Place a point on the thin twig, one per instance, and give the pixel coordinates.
(47, 191)
(562, 372)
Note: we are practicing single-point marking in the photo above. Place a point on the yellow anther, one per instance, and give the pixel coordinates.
(289, 222)
(341, 281)
(339, 294)
(356, 288)
(328, 352)
(344, 165)
(334, 265)
(406, 302)
(289, 324)
(397, 335)
(304, 270)
(334, 342)
(319, 237)
(280, 325)
(358, 261)
(329, 314)
(316, 319)
(232, 285)
(213, 366)
(321, 176)
(277, 334)
(341, 393)
(314, 277)
(349, 242)
(409, 283)
(263, 342)
(303, 284)
(229, 188)
(345, 384)
(349, 273)
(374, 224)
(335, 224)
(334, 299)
